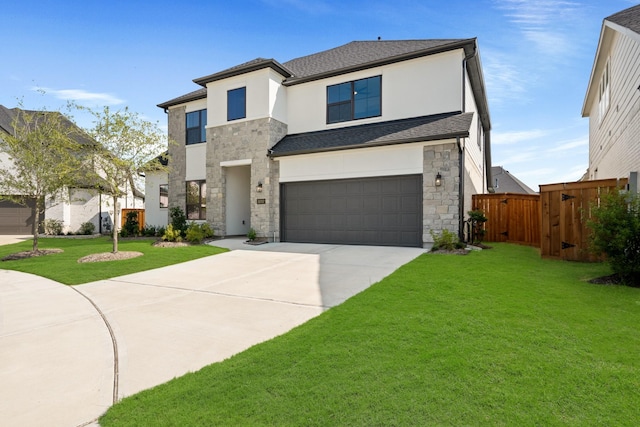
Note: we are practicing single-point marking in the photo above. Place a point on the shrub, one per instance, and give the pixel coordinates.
(615, 232)
(447, 241)
(196, 233)
(475, 224)
(178, 220)
(87, 228)
(53, 227)
(172, 235)
(131, 225)
(150, 231)
(251, 235)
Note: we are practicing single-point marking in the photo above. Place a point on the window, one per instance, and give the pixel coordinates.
(196, 124)
(358, 99)
(164, 195)
(196, 200)
(237, 104)
(604, 92)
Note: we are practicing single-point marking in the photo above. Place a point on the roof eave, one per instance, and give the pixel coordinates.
(590, 89)
(386, 61)
(181, 100)
(269, 63)
(452, 135)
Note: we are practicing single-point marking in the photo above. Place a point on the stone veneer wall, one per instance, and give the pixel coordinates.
(177, 157)
(238, 141)
(440, 208)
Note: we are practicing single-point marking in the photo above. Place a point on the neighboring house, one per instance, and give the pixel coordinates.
(505, 182)
(156, 202)
(372, 142)
(84, 203)
(612, 98)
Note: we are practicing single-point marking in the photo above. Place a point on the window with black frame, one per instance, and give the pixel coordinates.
(358, 99)
(164, 195)
(237, 104)
(196, 127)
(196, 200)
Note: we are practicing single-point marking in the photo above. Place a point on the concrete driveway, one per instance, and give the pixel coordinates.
(67, 353)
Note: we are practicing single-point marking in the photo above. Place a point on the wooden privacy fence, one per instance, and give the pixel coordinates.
(123, 217)
(565, 210)
(511, 217)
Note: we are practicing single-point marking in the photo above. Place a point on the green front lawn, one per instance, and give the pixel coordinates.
(498, 337)
(64, 267)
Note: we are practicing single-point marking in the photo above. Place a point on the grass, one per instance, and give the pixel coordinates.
(498, 337)
(64, 267)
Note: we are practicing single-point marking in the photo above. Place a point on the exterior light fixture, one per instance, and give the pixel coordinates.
(438, 179)
(259, 187)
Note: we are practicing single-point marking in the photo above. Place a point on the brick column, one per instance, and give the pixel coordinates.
(440, 208)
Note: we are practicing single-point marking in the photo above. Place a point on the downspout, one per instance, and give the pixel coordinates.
(461, 146)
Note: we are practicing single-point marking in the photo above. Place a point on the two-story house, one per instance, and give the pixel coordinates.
(372, 142)
(83, 202)
(612, 101)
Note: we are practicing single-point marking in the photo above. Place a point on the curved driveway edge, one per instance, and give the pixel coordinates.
(56, 355)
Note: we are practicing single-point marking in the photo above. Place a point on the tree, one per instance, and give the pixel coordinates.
(128, 145)
(44, 157)
(615, 232)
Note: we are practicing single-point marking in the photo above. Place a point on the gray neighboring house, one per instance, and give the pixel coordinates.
(84, 203)
(505, 182)
(372, 142)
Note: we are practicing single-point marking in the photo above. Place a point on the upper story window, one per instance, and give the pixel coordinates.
(196, 124)
(604, 92)
(237, 104)
(358, 99)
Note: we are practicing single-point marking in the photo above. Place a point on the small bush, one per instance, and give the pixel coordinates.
(178, 220)
(196, 233)
(131, 225)
(53, 227)
(87, 228)
(615, 232)
(447, 241)
(150, 231)
(172, 235)
(475, 224)
(251, 235)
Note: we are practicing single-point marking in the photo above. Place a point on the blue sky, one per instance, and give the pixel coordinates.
(536, 54)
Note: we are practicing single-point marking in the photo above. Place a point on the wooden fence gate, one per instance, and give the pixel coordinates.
(565, 210)
(512, 217)
(141, 219)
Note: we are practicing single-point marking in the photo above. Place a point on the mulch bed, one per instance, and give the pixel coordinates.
(31, 254)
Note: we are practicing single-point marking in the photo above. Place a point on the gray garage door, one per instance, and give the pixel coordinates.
(364, 211)
(15, 218)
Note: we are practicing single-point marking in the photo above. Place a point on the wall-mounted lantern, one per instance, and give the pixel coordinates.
(259, 187)
(438, 179)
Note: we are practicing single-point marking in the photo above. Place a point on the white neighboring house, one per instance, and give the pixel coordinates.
(157, 195)
(372, 142)
(613, 98)
(82, 205)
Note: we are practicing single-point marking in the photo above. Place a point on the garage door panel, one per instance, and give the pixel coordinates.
(16, 219)
(376, 211)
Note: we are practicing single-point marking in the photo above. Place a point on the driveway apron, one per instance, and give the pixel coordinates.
(166, 322)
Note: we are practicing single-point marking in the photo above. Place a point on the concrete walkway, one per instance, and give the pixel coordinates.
(65, 352)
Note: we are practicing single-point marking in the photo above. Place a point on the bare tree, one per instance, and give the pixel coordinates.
(128, 145)
(44, 156)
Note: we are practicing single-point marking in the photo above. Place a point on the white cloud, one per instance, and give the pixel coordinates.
(80, 96)
(505, 82)
(570, 145)
(504, 138)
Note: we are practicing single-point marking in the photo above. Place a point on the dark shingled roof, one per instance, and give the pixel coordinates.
(628, 18)
(505, 182)
(426, 128)
(364, 54)
(191, 96)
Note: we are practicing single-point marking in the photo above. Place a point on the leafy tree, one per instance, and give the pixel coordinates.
(44, 157)
(129, 145)
(615, 232)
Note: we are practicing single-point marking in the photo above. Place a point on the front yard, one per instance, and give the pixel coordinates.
(498, 337)
(64, 267)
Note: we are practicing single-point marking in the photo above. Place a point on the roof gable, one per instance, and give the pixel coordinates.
(628, 18)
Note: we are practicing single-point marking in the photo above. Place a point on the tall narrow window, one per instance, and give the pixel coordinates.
(237, 104)
(196, 200)
(604, 92)
(164, 195)
(354, 100)
(196, 127)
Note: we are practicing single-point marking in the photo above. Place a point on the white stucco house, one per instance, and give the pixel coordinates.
(612, 98)
(372, 142)
(82, 203)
